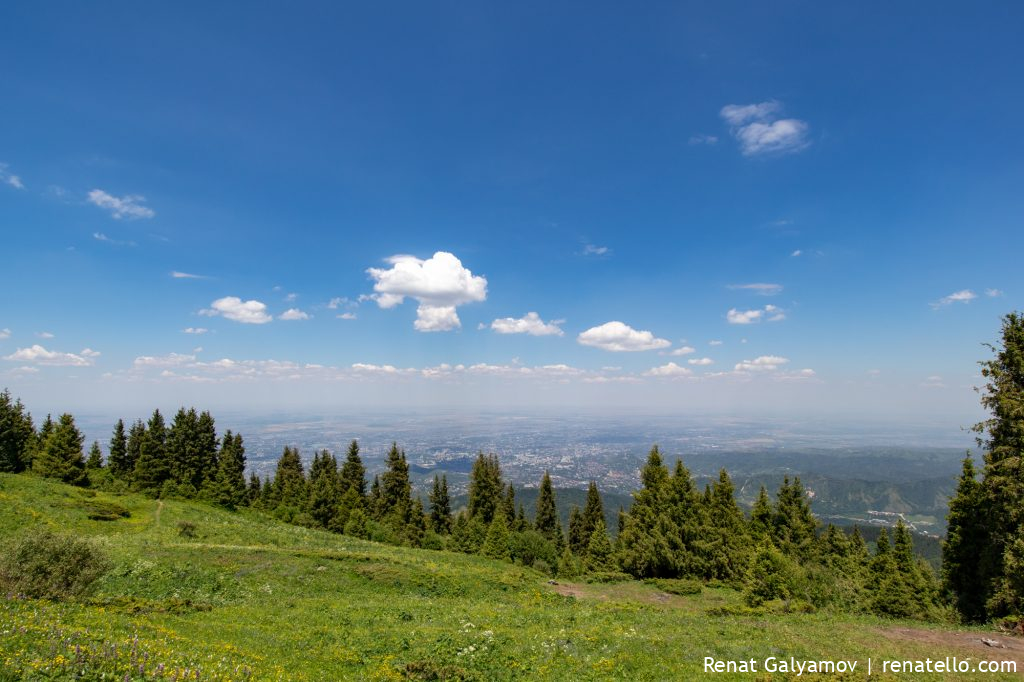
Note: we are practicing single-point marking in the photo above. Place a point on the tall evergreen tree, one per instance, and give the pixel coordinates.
(290, 480)
(794, 522)
(395, 488)
(966, 535)
(576, 535)
(353, 473)
(593, 511)
(497, 544)
(61, 455)
(183, 452)
(17, 434)
(228, 487)
(485, 488)
(323, 489)
(136, 435)
(508, 505)
(207, 443)
(646, 541)
(153, 467)
(546, 521)
(440, 507)
(726, 553)
(761, 517)
(599, 555)
(117, 461)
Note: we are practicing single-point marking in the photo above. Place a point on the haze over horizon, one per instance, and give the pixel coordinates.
(684, 209)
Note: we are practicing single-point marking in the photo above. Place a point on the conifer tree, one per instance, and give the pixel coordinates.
(323, 489)
(440, 507)
(353, 473)
(395, 488)
(117, 461)
(152, 469)
(726, 554)
(61, 454)
(645, 548)
(375, 502)
(485, 488)
(771, 575)
(254, 491)
(356, 526)
(207, 442)
(761, 516)
(227, 488)
(497, 545)
(183, 452)
(522, 523)
(576, 536)
(599, 555)
(794, 523)
(95, 460)
(290, 480)
(416, 528)
(593, 511)
(136, 435)
(508, 505)
(546, 521)
(966, 534)
(17, 435)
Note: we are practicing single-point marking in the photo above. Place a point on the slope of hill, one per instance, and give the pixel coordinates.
(251, 598)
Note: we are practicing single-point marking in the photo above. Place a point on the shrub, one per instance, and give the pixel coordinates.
(49, 566)
(679, 586)
(99, 510)
(186, 529)
(607, 577)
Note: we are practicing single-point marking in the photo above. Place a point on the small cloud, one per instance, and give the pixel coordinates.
(797, 253)
(962, 296)
(683, 350)
(194, 330)
(129, 206)
(5, 334)
(341, 302)
(617, 337)
(9, 178)
(594, 250)
(703, 139)
(769, 312)
(293, 314)
(530, 323)
(764, 363)
(41, 356)
(186, 275)
(759, 130)
(701, 362)
(346, 316)
(44, 335)
(714, 342)
(670, 369)
(993, 293)
(759, 288)
(237, 310)
(290, 298)
(100, 237)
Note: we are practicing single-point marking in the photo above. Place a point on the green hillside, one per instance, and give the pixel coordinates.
(252, 598)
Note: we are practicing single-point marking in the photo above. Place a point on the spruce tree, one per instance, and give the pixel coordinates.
(183, 452)
(395, 488)
(546, 520)
(761, 517)
(576, 536)
(353, 473)
(117, 461)
(593, 511)
(485, 488)
(645, 543)
(227, 488)
(497, 543)
(61, 454)
(508, 505)
(323, 489)
(136, 435)
(207, 443)
(356, 526)
(966, 534)
(794, 522)
(290, 480)
(95, 460)
(254, 491)
(152, 468)
(599, 555)
(17, 434)
(726, 554)
(440, 507)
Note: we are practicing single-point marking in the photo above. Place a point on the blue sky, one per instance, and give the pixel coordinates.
(588, 163)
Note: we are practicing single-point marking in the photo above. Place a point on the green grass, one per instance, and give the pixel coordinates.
(252, 598)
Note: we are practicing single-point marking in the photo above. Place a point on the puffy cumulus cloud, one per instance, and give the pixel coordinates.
(45, 335)
(129, 206)
(701, 362)
(759, 130)
(169, 360)
(962, 296)
(760, 288)
(669, 369)
(683, 350)
(439, 283)
(769, 312)
(294, 314)
(618, 337)
(346, 316)
(763, 363)
(41, 356)
(530, 323)
(237, 310)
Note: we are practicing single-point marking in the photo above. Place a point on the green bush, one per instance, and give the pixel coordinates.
(98, 510)
(49, 566)
(607, 577)
(187, 529)
(679, 586)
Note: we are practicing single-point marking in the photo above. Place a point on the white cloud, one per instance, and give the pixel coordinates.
(714, 342)
(169, 360)
(770, 312)
(531, 324)
(962, 296)
(616, 336)
(186, 275)
(290, 298)
(195, 330)
(439, 284)
(797, 253)
(41, 356)
(129, 206)
(9, 178)
(683, 350)
(5, 334)
(933, 381)
(100, 237)
(44, 335)
(346, 316)
(760, 288)
(670, 369)
(237, 310)
(764, 363)
(293, 314)
(993, 293)
(595, 250)
(701, 362)
(759, 130)
(703, 139)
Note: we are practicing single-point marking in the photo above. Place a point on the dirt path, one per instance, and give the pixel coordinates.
(965, 643)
